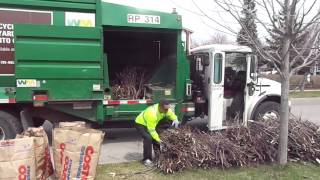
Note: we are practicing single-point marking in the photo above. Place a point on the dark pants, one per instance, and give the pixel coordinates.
(148, 141)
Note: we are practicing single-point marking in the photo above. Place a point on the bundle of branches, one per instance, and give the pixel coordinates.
(241, 146)
(129, 84)
(189, 148)
(304, 141)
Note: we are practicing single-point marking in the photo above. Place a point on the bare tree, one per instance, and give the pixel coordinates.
(216, 38)
(194, 43)
(299, 17)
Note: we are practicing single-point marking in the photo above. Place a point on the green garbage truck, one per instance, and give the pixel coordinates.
(67, 60)
(61, 60)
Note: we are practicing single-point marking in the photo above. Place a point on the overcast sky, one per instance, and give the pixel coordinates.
(191, 15)
(203, 27)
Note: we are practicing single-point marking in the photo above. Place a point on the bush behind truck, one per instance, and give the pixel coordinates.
(64, 60)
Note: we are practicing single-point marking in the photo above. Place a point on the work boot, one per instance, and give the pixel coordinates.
(148, 163)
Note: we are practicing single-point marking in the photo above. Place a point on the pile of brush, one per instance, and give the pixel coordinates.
(239, 146)
(129, 84)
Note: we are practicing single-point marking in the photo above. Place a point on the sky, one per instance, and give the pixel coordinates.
(219, 21)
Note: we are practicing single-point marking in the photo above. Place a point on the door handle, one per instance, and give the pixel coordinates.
(208, 80)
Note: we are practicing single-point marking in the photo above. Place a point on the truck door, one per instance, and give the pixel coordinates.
(251, 81)
(215, 94)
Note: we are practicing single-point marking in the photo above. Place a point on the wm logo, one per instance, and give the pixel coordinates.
(27, 83)
(80, 22)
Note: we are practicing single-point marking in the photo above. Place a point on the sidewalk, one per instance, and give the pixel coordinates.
(307, 90)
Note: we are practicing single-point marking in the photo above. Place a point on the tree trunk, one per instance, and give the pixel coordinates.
(284, 118)
(303, 83)
(284, 107)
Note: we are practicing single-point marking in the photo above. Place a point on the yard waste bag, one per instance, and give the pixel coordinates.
(44, 168)
(76, 152)
(17, 159)
(72, 124)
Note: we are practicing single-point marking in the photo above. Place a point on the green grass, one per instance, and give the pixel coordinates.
(293, 171)
(305, 94)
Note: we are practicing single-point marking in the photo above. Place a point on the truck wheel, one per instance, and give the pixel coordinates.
(268, 110)
(9, 126)
(184, 120)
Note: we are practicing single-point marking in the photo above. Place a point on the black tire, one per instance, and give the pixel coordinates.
(185, 120)
(48, 128)
(9, 126)
(37, 122)
(266, 108)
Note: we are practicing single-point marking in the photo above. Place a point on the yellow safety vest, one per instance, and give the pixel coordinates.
(151, 117)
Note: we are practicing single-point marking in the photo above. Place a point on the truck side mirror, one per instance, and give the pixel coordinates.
(254, 76)
(205, 61)
(202, 58)
(253, 67)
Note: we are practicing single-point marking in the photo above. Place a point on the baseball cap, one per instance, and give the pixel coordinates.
(164, 103)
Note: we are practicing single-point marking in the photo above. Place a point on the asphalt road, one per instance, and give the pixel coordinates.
(307, 109)
(124, 145)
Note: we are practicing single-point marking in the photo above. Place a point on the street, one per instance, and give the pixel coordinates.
(124, 145)
(307, 109)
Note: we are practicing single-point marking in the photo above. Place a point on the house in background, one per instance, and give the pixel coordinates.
(315, 68)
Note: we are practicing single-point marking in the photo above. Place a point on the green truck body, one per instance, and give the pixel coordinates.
(61, 56)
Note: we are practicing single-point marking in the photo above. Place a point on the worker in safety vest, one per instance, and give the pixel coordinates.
(146, 123)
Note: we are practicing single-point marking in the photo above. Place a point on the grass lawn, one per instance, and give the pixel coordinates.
(135, 170)
(305, 94)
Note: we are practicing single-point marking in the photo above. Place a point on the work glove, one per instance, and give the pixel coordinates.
(175, 123)
(163, 146)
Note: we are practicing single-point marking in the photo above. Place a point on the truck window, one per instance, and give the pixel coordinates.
(217, 68)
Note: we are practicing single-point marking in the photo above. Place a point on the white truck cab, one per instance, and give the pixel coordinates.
(227, 88)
